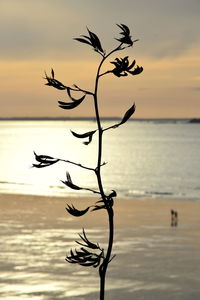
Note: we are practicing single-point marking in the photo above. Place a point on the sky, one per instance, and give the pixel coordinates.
(37, 35)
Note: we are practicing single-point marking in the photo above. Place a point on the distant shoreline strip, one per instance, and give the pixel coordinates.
(157, 120)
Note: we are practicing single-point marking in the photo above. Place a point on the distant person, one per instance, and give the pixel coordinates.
(174, 218)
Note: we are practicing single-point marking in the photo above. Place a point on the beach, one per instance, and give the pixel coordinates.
(153, 260)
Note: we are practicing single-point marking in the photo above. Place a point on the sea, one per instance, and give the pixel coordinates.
(143, 158)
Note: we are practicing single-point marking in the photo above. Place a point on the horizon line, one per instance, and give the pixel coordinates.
(90, 118)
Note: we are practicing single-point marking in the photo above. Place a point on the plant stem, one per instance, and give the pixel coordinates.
(76, 164)
(103, 267)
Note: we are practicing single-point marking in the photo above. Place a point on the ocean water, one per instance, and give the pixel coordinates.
(144, 159)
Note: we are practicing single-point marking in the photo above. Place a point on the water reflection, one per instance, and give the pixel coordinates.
(33, 265)
(138, 145)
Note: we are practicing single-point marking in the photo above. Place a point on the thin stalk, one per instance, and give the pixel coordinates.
(76, 164)
(104, 265)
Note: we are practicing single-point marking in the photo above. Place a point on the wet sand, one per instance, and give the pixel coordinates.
(153, 260)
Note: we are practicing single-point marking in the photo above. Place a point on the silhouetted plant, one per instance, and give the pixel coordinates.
(91, 254)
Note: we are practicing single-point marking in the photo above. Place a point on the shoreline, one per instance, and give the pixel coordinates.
(153, 260)
(148, 197)
(140, 209)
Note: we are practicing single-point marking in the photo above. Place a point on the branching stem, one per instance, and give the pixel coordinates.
(76, 164)
(122, 68)
(106, 260)
(78, 89)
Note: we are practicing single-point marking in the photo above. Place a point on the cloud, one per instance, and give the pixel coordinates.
(32, 29)
(196, 88)
(40, 28)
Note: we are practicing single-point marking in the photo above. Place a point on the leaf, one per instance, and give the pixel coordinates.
(68, 177)
(113, 194)
(41, 158)
(64, 105)
(70, 184)
(82, 253)
(127, 116)
(125, 29)
(87, 242)
(72, 98)
(126, 39)
(44, 161)
(85, 258)
(71, 105)
(89, 141)
(83, 41)
(46, 164)
(76, 212)
(52, 73)
(97, 207)
(40, 165)
(136, 71)
(87, 37)
(100, 201)
(84, 135)
(75, 100)
(54, 82)
(87, 264)
(131, 65)
(95, 41)
(86, 251)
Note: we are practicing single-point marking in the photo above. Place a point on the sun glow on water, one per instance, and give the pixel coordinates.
(143, 159)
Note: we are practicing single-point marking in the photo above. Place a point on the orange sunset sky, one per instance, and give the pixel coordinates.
(37, 35)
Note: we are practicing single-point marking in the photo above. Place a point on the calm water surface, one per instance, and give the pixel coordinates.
(144, 159)
(153, 262)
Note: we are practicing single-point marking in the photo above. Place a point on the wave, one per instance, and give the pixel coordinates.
(160, 193)
(17, 183)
